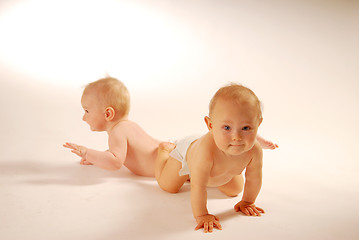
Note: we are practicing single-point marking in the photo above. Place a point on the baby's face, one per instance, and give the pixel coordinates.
(94, 114)
(235, 126)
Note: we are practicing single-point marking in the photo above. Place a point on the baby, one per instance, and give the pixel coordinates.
(218, 158)
(106, 103)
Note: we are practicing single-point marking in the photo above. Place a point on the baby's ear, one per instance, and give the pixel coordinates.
(208, 123)
(109, 113)
(260, 121)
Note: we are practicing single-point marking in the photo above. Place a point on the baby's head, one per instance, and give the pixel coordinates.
(106, 96)
(234, 117)
(238, 94)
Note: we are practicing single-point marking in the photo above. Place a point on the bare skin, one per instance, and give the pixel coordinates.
(129, 144)
(218, 159)
(266, 144)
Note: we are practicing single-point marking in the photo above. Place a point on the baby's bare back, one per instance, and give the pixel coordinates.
(141, 148)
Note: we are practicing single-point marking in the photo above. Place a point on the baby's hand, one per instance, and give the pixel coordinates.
(248, 208)
(208, 221)
(78, 150)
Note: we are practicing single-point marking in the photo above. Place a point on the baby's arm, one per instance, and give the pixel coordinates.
(112, 159)
(200, 171)
(252, 185)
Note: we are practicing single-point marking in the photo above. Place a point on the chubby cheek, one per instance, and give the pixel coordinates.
(251, 139)
(222, 140)
(92, 124)
(95, 125)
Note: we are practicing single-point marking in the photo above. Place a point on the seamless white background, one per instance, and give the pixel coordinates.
(300, 57)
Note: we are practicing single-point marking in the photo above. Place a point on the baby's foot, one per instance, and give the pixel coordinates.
(266, 144)
(166, 147)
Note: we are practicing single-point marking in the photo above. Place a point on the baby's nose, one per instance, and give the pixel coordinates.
(236, 136)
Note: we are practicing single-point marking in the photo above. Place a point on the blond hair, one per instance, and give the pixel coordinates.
(235, 92)
(111, 92)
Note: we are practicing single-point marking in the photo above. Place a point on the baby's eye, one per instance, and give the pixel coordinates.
(227, 128)
(246, 128)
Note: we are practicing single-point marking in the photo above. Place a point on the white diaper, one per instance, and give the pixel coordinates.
(179, 153)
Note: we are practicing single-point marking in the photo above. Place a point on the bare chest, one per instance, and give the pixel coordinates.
(223, 170)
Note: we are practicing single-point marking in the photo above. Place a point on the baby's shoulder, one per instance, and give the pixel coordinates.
(202, 149)
(257, 148)
(132, 132)
(207, 140)
(122, 129)
(204, 144)
(256, 152)
(126, 125)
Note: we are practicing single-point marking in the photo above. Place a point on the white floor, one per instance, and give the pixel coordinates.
(56, 198)
(301, 58)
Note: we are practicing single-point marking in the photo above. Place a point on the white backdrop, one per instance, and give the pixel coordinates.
(300, 57)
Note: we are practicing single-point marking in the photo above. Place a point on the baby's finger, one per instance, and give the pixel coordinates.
(199, 226)
(218, 225)
(205, 226)
(251, 212)
(76, 152)
(210, 227)
(245, 211)
(256, 212)
(260, 209)
(66, 145)
(85, 162)
(71, 145)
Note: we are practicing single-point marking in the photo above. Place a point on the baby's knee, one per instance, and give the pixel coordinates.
(234, 187)
(233, 192)
(237, 190)
(169, 189)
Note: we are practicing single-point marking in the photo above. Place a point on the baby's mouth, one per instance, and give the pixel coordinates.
(235, 145)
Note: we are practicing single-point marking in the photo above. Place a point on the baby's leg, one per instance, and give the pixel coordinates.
(266, 144)
(167, 169)
(233, 187)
